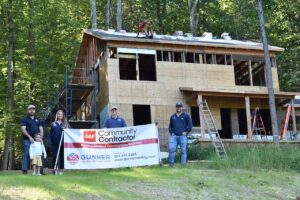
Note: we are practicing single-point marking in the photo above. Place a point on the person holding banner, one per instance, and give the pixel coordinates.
(56, 137)
(179, 127)
(114, 121)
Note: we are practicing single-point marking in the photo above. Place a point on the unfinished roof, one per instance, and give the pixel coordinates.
(180, 40)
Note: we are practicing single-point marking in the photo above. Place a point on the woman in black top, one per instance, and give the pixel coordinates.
(56, 132)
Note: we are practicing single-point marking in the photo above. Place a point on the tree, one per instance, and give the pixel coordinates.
(93, 14)
(268, 72)
(119, 15)
(8, 147)
(107, 15)
(194, 15)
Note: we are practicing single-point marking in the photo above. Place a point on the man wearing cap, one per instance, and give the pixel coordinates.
(114, 121)
(179, 127)
(30, 126)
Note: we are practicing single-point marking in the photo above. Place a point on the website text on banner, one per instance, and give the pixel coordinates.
(111, 148)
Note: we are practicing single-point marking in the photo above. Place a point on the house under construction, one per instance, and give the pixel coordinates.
(144, 78)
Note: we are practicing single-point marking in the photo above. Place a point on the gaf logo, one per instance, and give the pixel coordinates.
(89, 136)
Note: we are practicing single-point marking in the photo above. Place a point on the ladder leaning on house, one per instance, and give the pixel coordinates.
(258, 127)
(212, 129)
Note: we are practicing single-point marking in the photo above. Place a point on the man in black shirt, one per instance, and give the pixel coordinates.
(30, 126)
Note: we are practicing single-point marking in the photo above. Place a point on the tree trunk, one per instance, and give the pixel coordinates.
(107, 15)
(31, 38)
(268, 72)
(161, 13)
(8, 147)
(194, 16)
(93, 14)
(119, 15)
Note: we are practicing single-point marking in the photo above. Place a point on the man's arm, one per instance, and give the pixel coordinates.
(23, 129)
(171, 126)
(189, 124)
(41, 131)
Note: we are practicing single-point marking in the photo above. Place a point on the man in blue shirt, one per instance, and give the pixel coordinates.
(114, 121)
(179, 127)
(30, 126)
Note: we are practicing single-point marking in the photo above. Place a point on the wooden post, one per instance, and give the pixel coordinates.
(248, 116)
(202, 126)
(250, 73)
(294, 117)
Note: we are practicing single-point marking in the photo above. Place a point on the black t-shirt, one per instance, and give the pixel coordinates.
(32, 126)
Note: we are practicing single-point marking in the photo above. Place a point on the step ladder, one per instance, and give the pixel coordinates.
(258, 127)
(285, 122)
(211, 128)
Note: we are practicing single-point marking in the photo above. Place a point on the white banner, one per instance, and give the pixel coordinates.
(111, 148)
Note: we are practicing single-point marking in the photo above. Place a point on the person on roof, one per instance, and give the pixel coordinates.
(147, 26)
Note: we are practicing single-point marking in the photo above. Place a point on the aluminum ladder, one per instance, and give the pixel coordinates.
(212, 129)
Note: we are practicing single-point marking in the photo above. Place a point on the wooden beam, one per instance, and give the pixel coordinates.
(294, 117)
(248, 116)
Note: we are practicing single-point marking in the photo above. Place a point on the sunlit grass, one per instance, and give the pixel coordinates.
(194, 181)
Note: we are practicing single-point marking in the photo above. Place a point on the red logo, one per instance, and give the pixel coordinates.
(89, 136)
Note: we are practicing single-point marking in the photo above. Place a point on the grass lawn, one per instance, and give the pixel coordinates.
(194, 181)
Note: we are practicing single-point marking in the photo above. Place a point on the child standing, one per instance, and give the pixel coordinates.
(36, 151)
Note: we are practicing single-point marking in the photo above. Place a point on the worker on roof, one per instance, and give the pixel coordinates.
(147, 26)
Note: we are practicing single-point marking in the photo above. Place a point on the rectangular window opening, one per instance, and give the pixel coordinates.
(127, 66)
(147, 67)
(178, 57)
(241, 72)
(221, 59)
(112, 51)
(189, 57)
(258, 73)
(141, 114)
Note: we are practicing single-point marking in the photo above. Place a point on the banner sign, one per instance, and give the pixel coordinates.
(111, 148)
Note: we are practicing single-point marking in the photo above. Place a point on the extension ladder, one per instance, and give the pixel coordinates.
(285, 122)
(258, 127)
(212, 129)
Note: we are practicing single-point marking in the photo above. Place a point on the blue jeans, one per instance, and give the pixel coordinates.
(173, 143)
(26, 158)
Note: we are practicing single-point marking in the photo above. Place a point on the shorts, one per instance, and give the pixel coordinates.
(37, 160)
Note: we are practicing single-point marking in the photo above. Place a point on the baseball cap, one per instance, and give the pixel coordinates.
(30, 107)
(114, 107)
(178, 104)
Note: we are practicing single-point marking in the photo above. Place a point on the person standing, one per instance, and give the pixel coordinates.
(56, 134)
(179, 127)
(36, 151)
(114, 121)
(30, 126)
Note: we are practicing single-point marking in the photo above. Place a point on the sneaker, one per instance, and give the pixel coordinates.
(56, 173)
(24, 172)
(33, 173)
(39, 174)
(61, 173)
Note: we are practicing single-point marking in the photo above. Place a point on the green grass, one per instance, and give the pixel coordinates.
(284, 158)
(254, 172)
(194, 181)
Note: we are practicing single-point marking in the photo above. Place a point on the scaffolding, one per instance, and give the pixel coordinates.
(77, 93)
